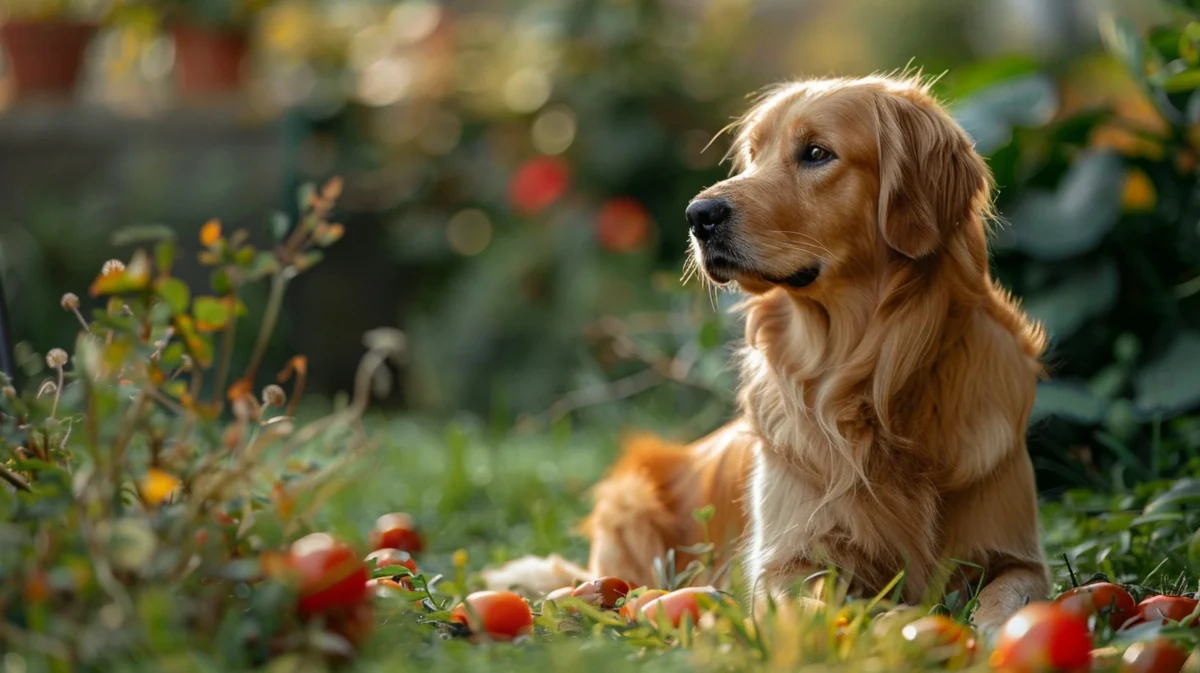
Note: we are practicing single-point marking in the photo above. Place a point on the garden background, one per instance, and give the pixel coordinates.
(515, 176)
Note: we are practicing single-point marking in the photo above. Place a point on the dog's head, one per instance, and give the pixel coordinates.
(835, 178)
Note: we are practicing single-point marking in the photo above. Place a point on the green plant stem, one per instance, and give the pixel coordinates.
(279, 284)
(14, 479)
(226, 358)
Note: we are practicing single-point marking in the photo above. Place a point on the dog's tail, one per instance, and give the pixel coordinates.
(644, 508)
(639, 511)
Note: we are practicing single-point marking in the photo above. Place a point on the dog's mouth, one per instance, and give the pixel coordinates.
(723, 270)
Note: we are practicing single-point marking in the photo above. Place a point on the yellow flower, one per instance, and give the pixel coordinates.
(460, 558)
(158, 485)
(1138, 194)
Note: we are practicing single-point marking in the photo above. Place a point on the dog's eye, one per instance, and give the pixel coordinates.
(815, 154)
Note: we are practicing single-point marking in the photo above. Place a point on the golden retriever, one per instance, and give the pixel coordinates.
(887, 381)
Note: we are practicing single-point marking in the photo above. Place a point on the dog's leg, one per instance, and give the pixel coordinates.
(994, 522)
(1008, 592)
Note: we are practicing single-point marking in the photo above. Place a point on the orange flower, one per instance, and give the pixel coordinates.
(210, 233)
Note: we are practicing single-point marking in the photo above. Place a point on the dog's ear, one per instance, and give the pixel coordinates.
(931, 180)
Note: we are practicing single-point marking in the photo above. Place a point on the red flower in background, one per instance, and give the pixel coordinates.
(623, 224)
(538, 183)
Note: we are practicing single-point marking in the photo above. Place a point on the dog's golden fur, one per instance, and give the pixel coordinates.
(883, 407)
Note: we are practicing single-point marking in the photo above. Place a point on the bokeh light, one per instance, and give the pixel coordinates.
(538, 183)
(623, 225)
(469, 232)
(553, 131)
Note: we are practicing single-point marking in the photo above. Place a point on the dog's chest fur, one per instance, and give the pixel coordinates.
(827, 488)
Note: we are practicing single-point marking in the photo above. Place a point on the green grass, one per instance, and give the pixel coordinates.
(501, 496)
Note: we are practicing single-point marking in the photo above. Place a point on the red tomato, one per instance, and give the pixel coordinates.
(941, 639)
(1154, 656)
(502, 615)
(558, 596)
(383, 587)
(633, 604)
(391, 557)
(396, 531)
(1166, 609)
(328, 574)
(1041, 638)
(1102, 598)
(676, 604)
(603, 591)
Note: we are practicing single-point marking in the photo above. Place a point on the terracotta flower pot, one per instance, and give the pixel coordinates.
(45, 57)
(208, 62)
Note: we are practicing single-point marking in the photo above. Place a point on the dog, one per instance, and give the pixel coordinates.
(886, 380)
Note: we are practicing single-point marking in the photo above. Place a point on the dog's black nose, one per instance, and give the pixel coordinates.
(706, 215)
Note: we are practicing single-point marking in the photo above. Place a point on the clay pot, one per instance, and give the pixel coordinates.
(45, 57)
(208, 62)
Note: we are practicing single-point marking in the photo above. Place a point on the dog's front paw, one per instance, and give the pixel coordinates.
(534, 576)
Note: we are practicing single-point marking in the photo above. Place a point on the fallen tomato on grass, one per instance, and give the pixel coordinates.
(942, 640)
(1154, 656)
(635, 601)
(677, 604)
(603, 592)
(501, 615)
(327, 574)
(1042, 638)
(1103, 599)
(396, 531)
(1166, 609)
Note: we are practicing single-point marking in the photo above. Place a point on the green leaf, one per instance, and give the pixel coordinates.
(176, 293)
(1183, 81)
(220, 282)
(142, 233)
(990, 115)
(1069, 401)
(1122, 39)
(1181, 492)
(211, 313)
(1171, 383)
(280, 225)
(197, 344)
(309, 259)
(304, 197)
(1064, 308)
(164, 256)
(710, 334)
(1052, 226)
(264, 264)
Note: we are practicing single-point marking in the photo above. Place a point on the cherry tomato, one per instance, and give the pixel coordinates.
(396, 531)
(558, 597)
(634, 603)
(603, 591)
(941, 639)
(676, 604)
(1041, 638)
(391, 557)
(1166, 609)
(502, 615)
(382, 587)
(1154, 656)
(328, 574)
(1102, 598)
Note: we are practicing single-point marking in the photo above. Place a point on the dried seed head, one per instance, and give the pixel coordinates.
(273, 396)
(56, 358)
(185, 363)
(69, 302)
(112, 266)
